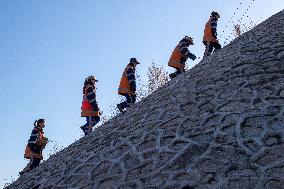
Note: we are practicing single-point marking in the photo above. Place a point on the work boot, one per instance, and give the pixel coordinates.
(119, 107)
(172, 75)
(88, 130)
(24, 171)
(83, 128)
(21, 173)
(215, 50)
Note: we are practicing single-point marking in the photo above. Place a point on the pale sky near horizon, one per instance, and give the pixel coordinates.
(49, 47)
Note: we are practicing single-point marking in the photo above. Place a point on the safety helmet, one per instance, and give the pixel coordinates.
(215, 14)
(189, 40)
(91, 77)
(134, 60)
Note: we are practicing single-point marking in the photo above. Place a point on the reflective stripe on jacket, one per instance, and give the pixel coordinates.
(210, 30)
(37, 140)
(125, 82)
(87, 107)
(179, 55)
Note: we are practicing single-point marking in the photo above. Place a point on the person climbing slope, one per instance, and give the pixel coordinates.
(35, 146)
(127, 86)
(90, 108)
(180, 55)
(210, 35)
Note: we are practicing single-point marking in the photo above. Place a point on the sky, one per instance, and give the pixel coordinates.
(49, 47)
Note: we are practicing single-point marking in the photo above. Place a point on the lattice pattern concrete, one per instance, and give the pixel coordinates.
(219, 125)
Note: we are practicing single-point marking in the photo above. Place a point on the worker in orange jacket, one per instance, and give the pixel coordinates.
(210, 35)
(89, 107)
(180, 55)
(36, 144)
(127, 86)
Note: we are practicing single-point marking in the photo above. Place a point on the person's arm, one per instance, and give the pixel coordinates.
(35, 137)
(91, 97)
(214, 28)
(184, 50)
(131, 78)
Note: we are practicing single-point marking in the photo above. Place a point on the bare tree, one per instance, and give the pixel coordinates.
(110, 113)
(157, 77)
(141, 91)
(239, 29)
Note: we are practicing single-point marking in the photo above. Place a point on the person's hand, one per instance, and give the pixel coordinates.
(192, 56)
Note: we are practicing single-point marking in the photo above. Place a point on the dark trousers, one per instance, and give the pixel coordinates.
(210, 46)
(176, 73)
(34, 162)
(92, 120)
(130, 99)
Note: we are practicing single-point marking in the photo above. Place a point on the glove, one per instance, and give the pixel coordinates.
(191, 56)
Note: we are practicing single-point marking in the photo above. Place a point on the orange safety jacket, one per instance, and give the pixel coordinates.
(87, 108)
(175, 59)
(40, 143)
(208, 36)
(124, 86)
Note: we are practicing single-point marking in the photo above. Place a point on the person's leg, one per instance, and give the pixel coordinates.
(172, 75)
(88, 125)
(210, 48)
(216, 46)
(176, 73)
(95, 120)
(87, 122)
(127, 102)
(206, 52)
(124, 104)
(182, 61)
(85, 126)
(133, 99)
(35, 163)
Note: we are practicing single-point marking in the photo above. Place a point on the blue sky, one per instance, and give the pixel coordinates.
(49, 47)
